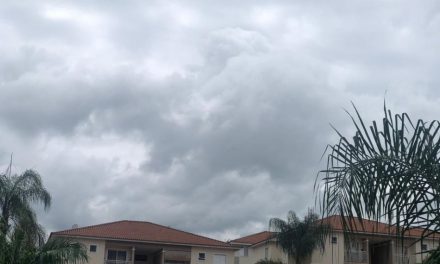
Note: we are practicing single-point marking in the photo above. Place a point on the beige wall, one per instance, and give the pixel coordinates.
(276, 253)
(415, 249)
(333, 253)
(94, 257)
(209, 255)
(258, 252)
(99, 256)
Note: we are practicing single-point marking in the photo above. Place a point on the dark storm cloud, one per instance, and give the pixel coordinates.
(207, 117)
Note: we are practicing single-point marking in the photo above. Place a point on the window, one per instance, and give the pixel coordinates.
(266, 253)
(116, 255)
(424, 247)
(92, 248)
(202, 256)
(334, 240)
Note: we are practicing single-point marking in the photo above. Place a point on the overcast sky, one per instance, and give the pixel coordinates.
(208, 116)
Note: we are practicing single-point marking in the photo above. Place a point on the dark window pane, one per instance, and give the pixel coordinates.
(122, 255)
(92, 248)
(111, 255)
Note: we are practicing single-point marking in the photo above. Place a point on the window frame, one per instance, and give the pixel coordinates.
(117, 255)
(93, 246)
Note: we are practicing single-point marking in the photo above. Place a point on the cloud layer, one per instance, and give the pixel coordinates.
(203, 116)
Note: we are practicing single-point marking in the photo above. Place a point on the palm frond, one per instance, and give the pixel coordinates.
(388, 174)
(61, 250)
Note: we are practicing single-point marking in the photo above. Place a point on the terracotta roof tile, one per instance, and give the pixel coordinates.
(335, 222)
(369, 226)
(141, 231)
(254, 238)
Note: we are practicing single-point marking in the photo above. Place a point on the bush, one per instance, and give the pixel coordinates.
(269, 261)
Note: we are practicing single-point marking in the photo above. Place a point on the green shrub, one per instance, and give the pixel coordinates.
(269, 261)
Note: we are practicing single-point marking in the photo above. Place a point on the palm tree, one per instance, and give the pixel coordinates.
(17, 193)
(386, 173)
(21, 237)
(299, 238)
(54, 251)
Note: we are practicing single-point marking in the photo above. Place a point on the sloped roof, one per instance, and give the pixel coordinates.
(369, 226)
(254, 238)
(335, 222)
(142, 232)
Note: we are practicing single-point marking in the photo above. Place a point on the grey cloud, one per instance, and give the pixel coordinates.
(213, 121)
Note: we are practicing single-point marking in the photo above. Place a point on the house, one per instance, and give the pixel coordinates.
(370, 243)
(256, 247)
(136, 242)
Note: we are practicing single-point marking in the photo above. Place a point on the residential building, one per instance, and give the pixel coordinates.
(369, 243)
(136, 242)
(256, 247)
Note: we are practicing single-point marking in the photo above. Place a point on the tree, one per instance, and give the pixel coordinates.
(54, 251)
(21, 237)
(269, 261)
(299, 238)
(389, 173)
(17, 193)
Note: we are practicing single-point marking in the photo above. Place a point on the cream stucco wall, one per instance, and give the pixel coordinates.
(416, 249)
(102, 246)
(333, 253)
(276, 253)
(258, 252)
(209, 255)
(94, 257)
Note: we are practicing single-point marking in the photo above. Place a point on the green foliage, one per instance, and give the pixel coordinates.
(17, 192)
(433, 258)
(299, 238)
(386, 172)
(269, 261)
(60, 250)
(21, 237)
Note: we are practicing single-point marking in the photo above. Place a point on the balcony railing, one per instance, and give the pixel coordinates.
(356, 256)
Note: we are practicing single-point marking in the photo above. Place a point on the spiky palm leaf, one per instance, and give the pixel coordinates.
(61, 250)
(21, 237)
(388, 173)
(17, 192)
(55, 251)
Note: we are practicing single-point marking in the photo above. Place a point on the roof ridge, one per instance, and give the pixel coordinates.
(175, 229)
(252, 235)
(139, 221)
(261, 232)
(88, 227)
